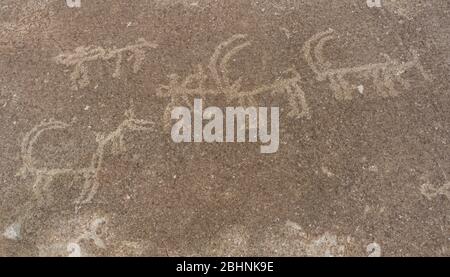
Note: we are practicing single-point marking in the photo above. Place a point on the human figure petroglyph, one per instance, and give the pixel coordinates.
(384, 75)
(179, 90)
(44, 176)
(83, 55)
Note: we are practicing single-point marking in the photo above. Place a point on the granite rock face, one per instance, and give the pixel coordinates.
(88, 166)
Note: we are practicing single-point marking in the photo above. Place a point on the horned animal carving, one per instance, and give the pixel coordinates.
(384, 75)
(194, 84)
(43, 176)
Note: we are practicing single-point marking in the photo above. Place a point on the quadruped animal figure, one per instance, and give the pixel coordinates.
(44, 176)
(384, 75)
(180, 90)
(82, 55)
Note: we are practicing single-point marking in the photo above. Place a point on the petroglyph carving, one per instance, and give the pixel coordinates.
(195, 84)
(83, 55)
(44, 176)
(431, 191)
(384, 75)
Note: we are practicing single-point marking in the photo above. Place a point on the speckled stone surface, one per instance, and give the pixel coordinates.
(88, 166)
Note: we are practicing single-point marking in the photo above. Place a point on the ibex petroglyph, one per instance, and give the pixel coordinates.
(384, 75)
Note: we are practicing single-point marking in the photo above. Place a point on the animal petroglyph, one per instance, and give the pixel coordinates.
(195, 84)
(384, 75)
(44, 176)
(430, 191)
(83, 55)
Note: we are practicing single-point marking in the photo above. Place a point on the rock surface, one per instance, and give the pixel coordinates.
(88, 167)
